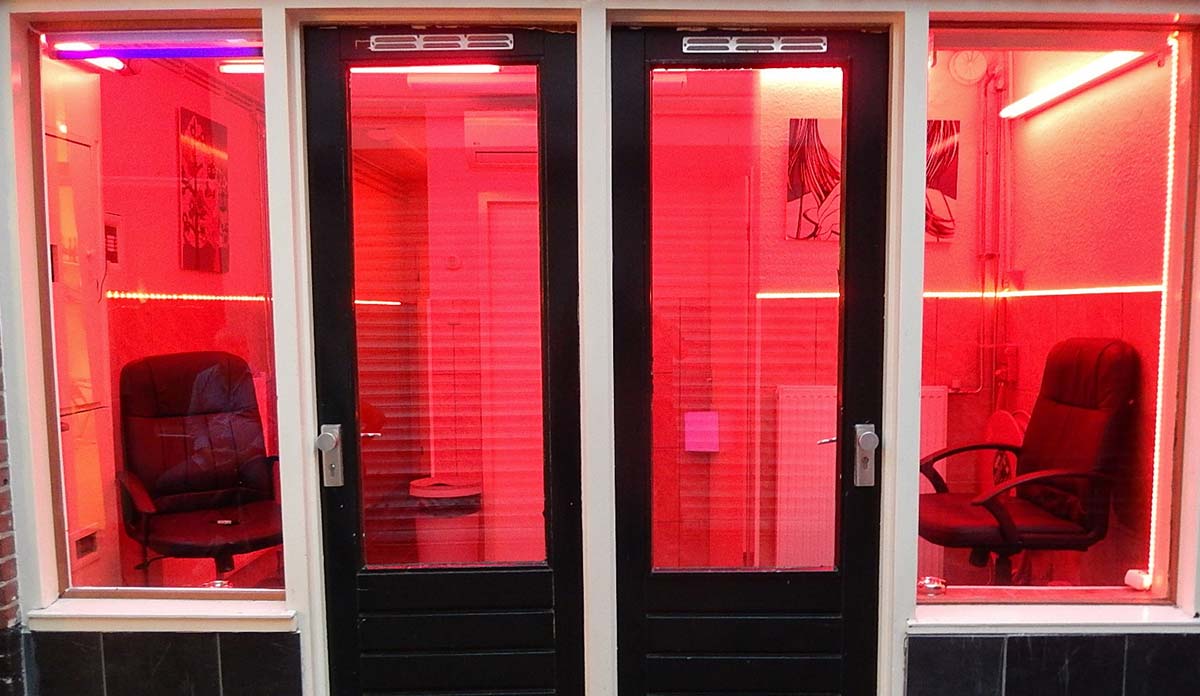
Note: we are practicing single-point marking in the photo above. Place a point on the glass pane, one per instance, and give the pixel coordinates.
(447, 286)
(746, 224)
(1056, 165)
(161, 305)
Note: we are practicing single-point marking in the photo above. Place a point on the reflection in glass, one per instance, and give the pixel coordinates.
(746, 218)
(447, 286)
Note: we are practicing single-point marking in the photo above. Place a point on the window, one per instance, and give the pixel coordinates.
(1056, 172)
(160, 302)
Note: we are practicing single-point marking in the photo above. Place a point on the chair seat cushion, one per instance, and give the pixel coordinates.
(219, 531)
(949, 519)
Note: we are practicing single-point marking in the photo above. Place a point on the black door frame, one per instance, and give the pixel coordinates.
(328, 53)
(847, 598)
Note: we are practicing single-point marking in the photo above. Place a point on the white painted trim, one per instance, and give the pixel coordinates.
(597, 438)
(901, 432)
(287, 190)
(20, 327)
(164, 615)
(1050, 619)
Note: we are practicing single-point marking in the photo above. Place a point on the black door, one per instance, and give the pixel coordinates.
(443, 231)
(749, 220)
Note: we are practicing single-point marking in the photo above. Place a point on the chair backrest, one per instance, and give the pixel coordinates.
(1081, 422)
(191, 431)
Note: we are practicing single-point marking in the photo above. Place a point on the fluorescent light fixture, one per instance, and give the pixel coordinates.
(424, 69)
(107, 63)
(379, 303)
(242, 66)
(1073, 83)
(797, 295)
(829, 77)
(73, 46)
(104, 63)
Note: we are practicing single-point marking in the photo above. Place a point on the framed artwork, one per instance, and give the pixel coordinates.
(814, 188)
(814, 202)
(941, 177)
(203, 194)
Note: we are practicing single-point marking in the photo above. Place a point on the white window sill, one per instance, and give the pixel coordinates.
(1050, 618)
(164, 615)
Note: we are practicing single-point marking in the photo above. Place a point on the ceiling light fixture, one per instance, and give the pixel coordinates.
(1107, 66)
(242, 66)
(424, 69)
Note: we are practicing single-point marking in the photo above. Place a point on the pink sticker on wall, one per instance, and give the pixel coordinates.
(700, 431)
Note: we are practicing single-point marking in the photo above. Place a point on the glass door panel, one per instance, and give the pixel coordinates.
(447, 303)
(746, 219)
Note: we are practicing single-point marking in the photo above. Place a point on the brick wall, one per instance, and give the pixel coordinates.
(11, 682)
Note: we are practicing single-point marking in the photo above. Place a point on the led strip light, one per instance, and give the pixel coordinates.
(196, 297)
(1172, 126)
(978, 295)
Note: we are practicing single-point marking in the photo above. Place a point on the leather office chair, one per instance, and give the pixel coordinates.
(1076, 445)
(196, 480)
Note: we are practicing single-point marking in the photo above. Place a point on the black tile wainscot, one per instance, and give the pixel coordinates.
(1151, 664)
(164, 664)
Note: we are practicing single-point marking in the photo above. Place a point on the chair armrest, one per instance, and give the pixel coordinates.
(1033, 477)
(137, 492)
(990, 500)
(927, 462)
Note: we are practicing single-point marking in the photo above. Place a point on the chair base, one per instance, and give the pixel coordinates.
(1002, 570)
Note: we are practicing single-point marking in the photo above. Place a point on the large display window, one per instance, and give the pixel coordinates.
(1054, 266)
(160, 302)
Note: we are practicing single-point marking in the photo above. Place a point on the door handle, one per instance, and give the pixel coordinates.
(866, 441)
(329, 442)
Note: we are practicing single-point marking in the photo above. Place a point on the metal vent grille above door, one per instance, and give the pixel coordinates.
(755, 44)
(440, 42)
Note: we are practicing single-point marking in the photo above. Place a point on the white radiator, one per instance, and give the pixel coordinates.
(806, 500)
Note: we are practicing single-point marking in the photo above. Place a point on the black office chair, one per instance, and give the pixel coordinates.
(196, 480)
(1077, 442)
